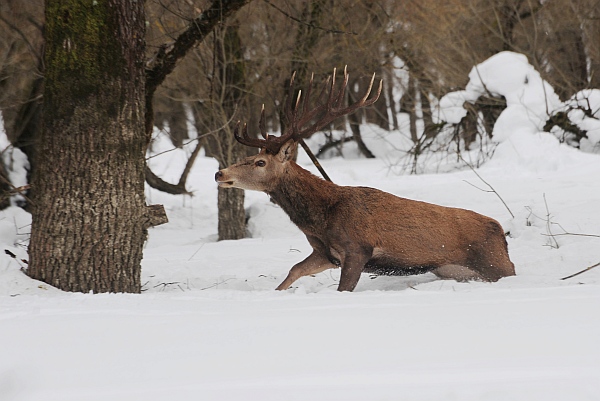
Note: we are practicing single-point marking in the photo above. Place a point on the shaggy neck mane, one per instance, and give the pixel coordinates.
(306, 198)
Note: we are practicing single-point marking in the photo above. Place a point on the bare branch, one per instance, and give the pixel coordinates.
(486, 183)
(335, 31)
(164, 62)
(583, 271)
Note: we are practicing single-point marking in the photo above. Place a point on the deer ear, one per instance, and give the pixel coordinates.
(287, 151)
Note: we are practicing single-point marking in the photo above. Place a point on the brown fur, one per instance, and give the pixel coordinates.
(363, 229)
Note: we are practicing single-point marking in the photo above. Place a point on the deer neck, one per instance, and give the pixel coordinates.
(306, 199)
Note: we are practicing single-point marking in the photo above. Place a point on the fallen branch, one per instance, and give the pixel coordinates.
(583, 271)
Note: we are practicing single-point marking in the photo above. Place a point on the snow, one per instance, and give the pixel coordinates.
(529, 99)
(15, 161)
(209, 325)
(584, 111)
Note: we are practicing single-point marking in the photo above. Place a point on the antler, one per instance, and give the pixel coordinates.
(298, 119)
(244, 139)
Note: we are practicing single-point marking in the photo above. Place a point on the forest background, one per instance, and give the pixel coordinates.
(422, 50)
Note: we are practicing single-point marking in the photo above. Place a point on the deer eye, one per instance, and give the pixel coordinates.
(260, 163)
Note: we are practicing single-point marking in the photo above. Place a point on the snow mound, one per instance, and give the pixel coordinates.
(529, 99)
(584, 111)
(539, 152)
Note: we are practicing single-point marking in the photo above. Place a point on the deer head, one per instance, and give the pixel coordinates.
(304, 118)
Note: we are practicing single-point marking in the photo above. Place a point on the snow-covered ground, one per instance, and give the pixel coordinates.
(209, 326)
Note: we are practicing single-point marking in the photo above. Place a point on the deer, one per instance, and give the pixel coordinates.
(361, 229)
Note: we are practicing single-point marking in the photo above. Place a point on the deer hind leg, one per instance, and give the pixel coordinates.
(313, 264)
(458, 273)
(353, 264)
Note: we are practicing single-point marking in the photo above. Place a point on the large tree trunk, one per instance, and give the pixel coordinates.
(89, 215)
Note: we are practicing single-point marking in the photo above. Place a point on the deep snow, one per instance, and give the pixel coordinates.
(209, 325)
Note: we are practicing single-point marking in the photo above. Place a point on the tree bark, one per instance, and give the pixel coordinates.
(354, 120)
(89, 215)
(230, 88)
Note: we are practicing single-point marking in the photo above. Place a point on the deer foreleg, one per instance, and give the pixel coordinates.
(315, 263)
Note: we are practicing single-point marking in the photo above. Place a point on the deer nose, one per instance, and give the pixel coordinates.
(218, 175)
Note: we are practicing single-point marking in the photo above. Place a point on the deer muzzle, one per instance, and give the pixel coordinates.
(222, 180)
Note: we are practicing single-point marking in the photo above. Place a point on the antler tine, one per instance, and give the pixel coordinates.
(307, 114)
(244, 139)
(340, 96)
(297, 101)
(288, 109)
(333, 110)
(305, 105)
(366, 96)
(331, 90)
(300, 115)
(323, 91)
(262, 125)
(288, 101)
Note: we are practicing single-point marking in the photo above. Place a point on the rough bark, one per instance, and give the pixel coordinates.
(89, 215)
(229, 90)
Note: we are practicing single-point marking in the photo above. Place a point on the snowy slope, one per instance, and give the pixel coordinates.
(209, 326)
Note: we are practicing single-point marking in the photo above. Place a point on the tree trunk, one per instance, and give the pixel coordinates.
(354, 120)
(230, 81)
(89, 215)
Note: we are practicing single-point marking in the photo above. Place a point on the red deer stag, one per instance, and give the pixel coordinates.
(362, 229)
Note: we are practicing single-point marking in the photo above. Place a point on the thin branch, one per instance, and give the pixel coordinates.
(549, 224)
(486, 183)
(583, 271)
(209, 133)
(189, 164)
(335, 31)
(314, 160)
(17, 190)
(13, 27)
(198, 29)
(216, 284)
(574, 234)
(165, 60)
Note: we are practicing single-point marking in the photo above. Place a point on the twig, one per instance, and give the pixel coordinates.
(574, 234)
(486, 183)
(549, 225)
(206, 134)
(19, 261)
(308, 24)
(583, 271)
(166, 284)
(215, 284)
(197, 250)
(17, 190)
